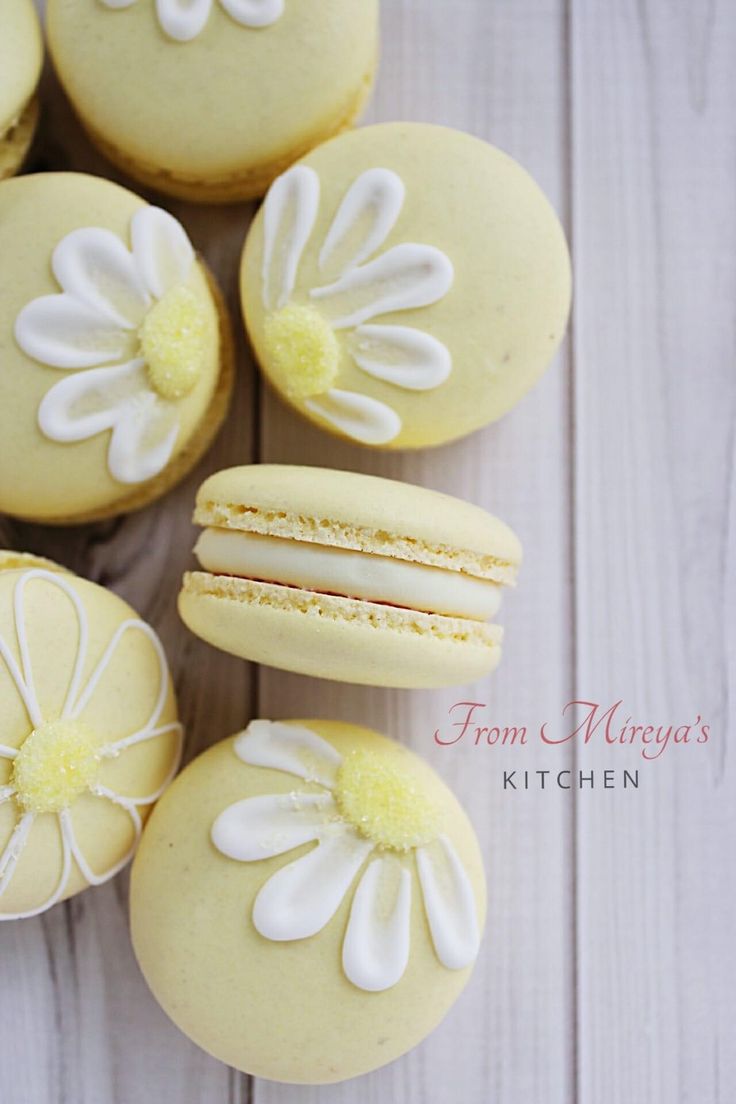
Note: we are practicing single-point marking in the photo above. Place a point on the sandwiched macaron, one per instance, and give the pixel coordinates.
(21, 58)
(116, 358)
(405, 284)
(307, 901)
(212, 99)
(89, 736)
(348, 577)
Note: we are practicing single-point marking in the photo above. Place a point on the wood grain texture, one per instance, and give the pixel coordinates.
(608, 974)
(654, 149)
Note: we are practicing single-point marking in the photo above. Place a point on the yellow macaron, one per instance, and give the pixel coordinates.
(348, 577)
(308, 900)
(21, 58)
(211, 100)
(116, 358)
(89, 735)
(405, 284)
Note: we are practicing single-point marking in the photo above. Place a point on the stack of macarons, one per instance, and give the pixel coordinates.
(316, 876)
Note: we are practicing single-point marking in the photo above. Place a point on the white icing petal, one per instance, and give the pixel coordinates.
(254, 13)
(19, 612)
(289, 214)
(27, 694)
(406, 277)
(62, 332)
(290, 748)
(402, 356)
(303, 896)
(66, 863)
(259, 827)
(85, 869)
(81, 702)
(449, 903)
(371, 207)
(149, 798)
(357, 416)
(14, 849)
(182, 20)
(375, 952)
(143, 439)
(111, 751)
(94, 266)
(162, 251)
(88, 403)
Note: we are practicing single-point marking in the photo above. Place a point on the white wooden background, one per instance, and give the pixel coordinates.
(608, 974)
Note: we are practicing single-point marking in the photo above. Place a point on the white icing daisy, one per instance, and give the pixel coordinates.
(132, 331)
(60, 759)
(301, 339)
(368, 809)
(183, 20)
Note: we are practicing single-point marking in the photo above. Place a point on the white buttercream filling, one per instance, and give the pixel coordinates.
(351, 574)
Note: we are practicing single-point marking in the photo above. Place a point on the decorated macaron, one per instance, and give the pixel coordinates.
(348, 577)
(210, 100)
(89, 736)
(405, 284)
(307, 901)
(21, 57)
(115, 350)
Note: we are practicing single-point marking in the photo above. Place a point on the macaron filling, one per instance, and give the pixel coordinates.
(347, 573)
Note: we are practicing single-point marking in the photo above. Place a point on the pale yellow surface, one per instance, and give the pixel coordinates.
(337, 638)
(40, 478)
(360, 511)
(506, 311)
(21, 56)
(122, 703)
(10, 560)
(278, 1010)
(14, 147)
(244, 99)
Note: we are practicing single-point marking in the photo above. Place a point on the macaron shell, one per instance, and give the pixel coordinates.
(336, 638)
(16, 144)
(248, 101)
(21, 57)
(381, 515)
(285, 1010)
(122, 703)
(41, 479)
(506, 310)
(13, 561)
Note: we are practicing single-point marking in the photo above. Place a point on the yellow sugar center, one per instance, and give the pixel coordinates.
(303, 352)
(172, 339)
(58, 762)
(384, 803)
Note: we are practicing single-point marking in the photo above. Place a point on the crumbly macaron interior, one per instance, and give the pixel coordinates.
(349, 573)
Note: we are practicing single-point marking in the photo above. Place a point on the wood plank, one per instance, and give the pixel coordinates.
(654, 147)
(498, 71)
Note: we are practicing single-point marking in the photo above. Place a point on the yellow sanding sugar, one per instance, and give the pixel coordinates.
(383, 801)
(58, 762)
(172, 338)
(303, 351)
